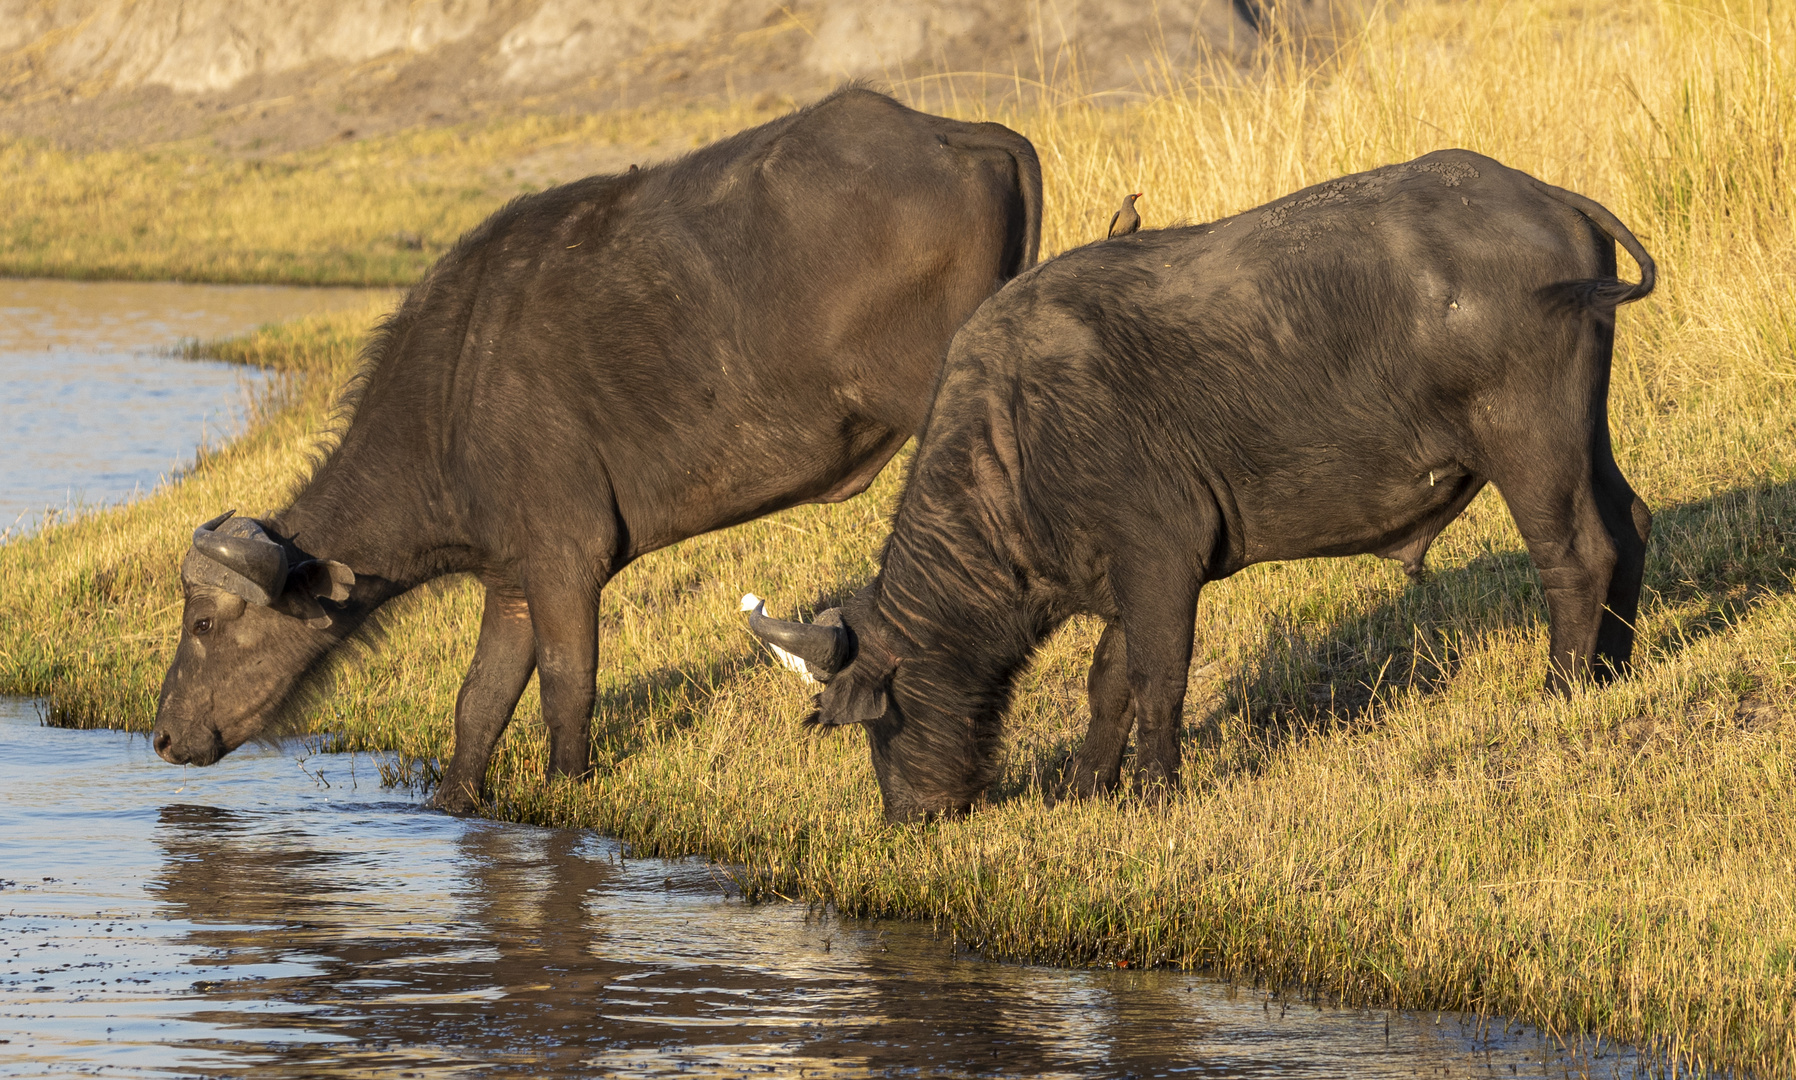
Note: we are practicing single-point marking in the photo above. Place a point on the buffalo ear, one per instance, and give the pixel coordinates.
(322, 577)
(853, 697)
(303, 606)
(310, 580)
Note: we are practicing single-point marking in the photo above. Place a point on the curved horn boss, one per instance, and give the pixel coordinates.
(236, 555)
(815, 650)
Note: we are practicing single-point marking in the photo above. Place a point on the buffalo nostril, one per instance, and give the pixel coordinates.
(162, 742)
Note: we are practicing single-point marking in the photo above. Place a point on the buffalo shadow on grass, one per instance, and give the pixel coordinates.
(618, 710)
(1710, 559)
(631, 708)
(618, 728)
(1708, 562)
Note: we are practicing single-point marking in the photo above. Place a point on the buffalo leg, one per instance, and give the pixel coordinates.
(1097, 767)
(565, 615)
(1628, 523)
(1157, 606)
(503, 660)
(1575, 556)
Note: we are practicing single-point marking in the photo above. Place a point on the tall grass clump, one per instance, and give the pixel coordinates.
(1379, 802)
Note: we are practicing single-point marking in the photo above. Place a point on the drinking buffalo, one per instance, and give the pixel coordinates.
(1337, 372)
(601, 370)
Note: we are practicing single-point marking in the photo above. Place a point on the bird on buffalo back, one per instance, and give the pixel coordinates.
(1125, 220)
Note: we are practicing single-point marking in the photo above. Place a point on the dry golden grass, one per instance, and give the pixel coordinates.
(374, 212)
(1379, 801)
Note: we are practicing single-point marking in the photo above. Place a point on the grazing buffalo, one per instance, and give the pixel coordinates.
(1337, 372)
(601, 370)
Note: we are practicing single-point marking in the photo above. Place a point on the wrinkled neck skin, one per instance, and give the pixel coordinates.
(378, 505)
(954, 624)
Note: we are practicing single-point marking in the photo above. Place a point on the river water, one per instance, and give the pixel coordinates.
(94, 405)
(282, 914)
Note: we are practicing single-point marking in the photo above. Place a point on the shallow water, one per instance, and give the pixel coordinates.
(95, 409)
(283, 915)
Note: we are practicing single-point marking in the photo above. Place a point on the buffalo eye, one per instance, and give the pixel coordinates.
(201, 626)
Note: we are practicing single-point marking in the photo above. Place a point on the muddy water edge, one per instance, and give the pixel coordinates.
(283, 914)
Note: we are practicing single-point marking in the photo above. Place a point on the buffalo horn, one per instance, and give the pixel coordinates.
(819, 649)
(247, 552)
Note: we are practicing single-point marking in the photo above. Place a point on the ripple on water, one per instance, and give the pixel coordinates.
(249, 918)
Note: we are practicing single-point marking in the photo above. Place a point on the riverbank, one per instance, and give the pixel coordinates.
(1378, 802)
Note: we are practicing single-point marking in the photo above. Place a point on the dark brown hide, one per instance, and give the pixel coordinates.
(607, 368)
(1334, 373)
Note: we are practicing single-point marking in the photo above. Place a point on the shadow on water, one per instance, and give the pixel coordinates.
(245, 919)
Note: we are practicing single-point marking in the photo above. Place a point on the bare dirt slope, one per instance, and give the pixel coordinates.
(282, 74)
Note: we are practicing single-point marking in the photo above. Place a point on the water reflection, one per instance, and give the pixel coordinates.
(94, 408)
(246, 918)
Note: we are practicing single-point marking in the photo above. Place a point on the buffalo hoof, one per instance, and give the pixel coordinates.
(454, 798)
(1154, 788)
(1073, 789)
(1078, 782)
(1561, 683)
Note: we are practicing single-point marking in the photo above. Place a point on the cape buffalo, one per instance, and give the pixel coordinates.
(1337, 372)
(601, 370)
